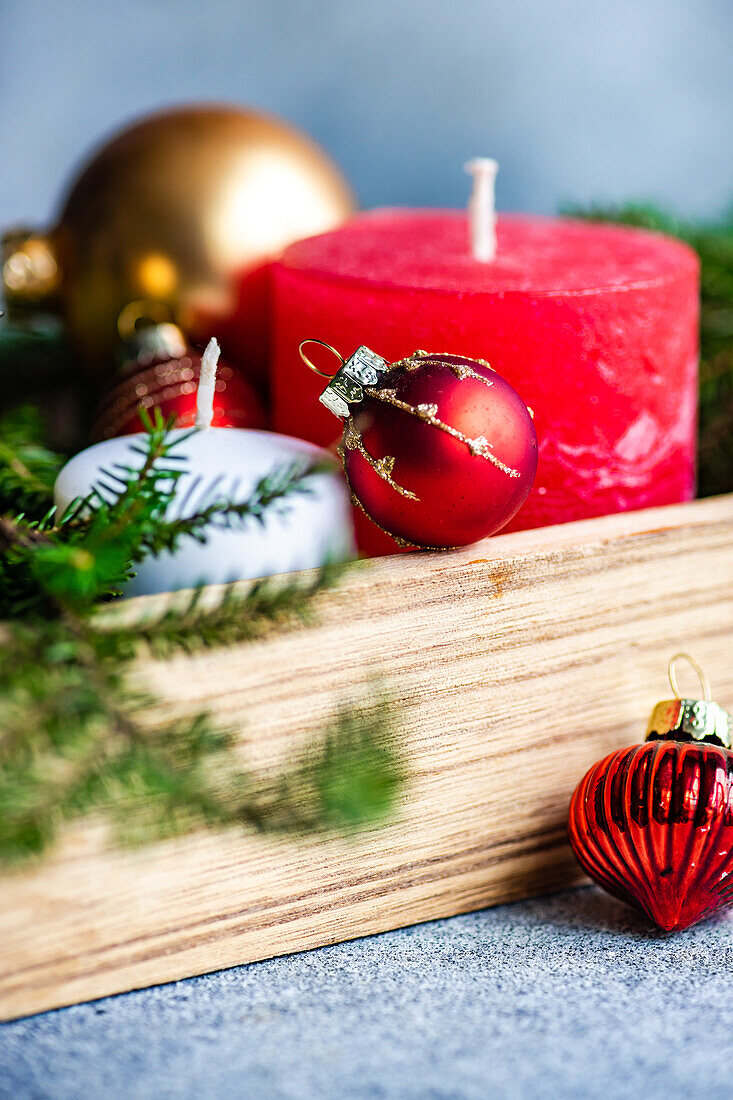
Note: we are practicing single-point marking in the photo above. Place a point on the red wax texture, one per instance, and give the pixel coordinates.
(596, 327)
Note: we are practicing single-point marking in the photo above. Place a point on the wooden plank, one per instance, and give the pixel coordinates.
(518, 662)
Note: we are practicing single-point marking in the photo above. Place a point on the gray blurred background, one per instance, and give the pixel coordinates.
(581, 101)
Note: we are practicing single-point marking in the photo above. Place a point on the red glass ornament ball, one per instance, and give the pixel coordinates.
(653, 825)
(443, 454)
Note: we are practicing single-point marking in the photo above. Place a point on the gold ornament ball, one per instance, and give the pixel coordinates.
(174, 218)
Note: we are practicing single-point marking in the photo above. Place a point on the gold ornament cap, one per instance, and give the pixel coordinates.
(681, 719)
(346, 387)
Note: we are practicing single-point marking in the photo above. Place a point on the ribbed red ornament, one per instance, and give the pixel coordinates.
(442, 452)
(169, 382)
(653, 825)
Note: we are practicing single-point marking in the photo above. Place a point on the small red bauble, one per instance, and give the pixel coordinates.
(653, 824)
(163, 374)
(438, 449)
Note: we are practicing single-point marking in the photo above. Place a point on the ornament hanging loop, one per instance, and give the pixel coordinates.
(346, 387)
(309, 362)
(690, 718)
(704, 682)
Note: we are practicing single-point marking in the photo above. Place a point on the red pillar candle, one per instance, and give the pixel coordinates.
(595, 326)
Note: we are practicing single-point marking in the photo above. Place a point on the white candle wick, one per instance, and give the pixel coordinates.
(207, 385)
(482, 208)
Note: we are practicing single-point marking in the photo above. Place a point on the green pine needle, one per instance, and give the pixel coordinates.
(27, 468)
(350, 779)
(240, 615)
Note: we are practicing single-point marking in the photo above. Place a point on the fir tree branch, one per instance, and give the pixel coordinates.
(17, 535)
(347, 780)
(76, 738)
(27, 468)
(93, 548)
(271, 494)
(239, 616)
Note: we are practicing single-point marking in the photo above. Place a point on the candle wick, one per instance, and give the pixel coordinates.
(207, 385)
(482, 208)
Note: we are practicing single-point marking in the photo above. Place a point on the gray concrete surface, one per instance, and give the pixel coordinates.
(566, 996)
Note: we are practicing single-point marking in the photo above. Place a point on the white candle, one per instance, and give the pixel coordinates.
(303, 531)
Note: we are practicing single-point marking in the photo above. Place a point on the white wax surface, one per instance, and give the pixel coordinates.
(302, 532)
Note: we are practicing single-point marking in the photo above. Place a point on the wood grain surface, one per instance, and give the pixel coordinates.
(518, 662)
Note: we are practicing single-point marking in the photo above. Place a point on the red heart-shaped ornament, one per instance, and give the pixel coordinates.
(653, 825)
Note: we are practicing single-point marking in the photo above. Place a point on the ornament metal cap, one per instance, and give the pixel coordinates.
(346, 386)
(681, 719)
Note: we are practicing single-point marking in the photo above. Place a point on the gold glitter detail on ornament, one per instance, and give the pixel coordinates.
(411, 363)
(352, 438)
(422, 358)
(403, 544)
(384, 466)
(462, 370)
(479, 446)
